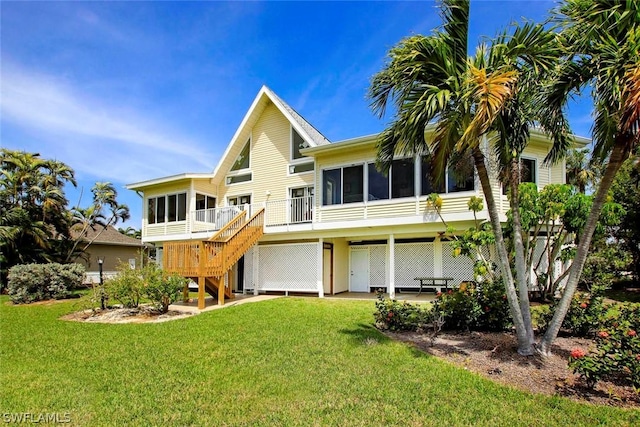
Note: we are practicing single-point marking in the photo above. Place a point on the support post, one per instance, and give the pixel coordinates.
(201, 302)
(319, 269)
(392, 267)
(222, 283)
(185, 293)
(202, 266)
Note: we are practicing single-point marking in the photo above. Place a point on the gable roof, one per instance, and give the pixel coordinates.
(108, 236)
(303, 127)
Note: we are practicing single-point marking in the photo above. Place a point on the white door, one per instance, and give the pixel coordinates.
(359, 265)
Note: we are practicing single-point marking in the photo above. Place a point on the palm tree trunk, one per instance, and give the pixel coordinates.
(522, 275)
(524, 345)
(618, 156)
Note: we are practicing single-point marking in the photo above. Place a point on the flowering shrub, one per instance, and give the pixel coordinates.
(617, 349)
(585, 316)
(483, 308)
(400, 316)
(459, 308)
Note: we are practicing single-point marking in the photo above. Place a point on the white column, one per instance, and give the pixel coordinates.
(256, 268)
(319, 269)
(392, 267)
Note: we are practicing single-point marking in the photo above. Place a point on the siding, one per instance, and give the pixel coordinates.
(389, 210)
(204, 186)
(270, 154)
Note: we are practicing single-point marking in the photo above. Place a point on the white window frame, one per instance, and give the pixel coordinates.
(166, 208)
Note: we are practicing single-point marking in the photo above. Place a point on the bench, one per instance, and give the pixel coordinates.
(437, 283)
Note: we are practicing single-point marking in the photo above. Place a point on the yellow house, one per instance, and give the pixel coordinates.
(286, 210)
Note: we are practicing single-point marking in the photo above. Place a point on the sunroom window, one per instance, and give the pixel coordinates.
(168, 208)
(402, 178)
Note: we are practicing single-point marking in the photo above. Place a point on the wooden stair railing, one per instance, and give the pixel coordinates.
(207, 261)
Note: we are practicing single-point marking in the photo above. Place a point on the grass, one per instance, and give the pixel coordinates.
(289, 361)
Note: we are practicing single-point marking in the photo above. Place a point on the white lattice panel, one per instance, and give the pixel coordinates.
(460, 267)
(290, 267)
(539, 251)
(378, 266)
(248, 270)
(413, 260)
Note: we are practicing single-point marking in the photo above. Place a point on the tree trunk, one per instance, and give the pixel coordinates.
(522, 275)
(618, 155)
(524, 345)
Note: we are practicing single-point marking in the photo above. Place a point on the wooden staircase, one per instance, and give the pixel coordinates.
(207, 261)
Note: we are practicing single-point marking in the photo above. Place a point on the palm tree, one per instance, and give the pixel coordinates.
(103, 212)
(579, 171)
(602, 40)
(431, 78)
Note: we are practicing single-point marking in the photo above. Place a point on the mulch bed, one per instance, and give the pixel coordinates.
(141, 314)
(494, 356)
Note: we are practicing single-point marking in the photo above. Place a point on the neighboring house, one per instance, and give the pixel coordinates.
(112, 247)
(313, 216)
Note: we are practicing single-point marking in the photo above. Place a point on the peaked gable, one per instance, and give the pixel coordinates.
(309, 133)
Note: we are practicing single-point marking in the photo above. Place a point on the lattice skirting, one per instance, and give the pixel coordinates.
(288, 267)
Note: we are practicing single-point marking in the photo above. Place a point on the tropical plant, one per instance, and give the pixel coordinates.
(431, 78)
(103, 212)
(33, 216)
(580, 172)
(602, 50)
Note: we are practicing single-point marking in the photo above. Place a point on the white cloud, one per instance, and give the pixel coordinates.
(104, 140)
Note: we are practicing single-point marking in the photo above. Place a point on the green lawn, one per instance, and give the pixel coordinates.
(280, 362)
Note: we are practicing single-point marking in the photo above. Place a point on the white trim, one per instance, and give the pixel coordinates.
(391, 279)
(233, 196)
(180, 177)
(319, 267)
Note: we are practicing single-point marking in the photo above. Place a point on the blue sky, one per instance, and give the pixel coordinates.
(130, 91)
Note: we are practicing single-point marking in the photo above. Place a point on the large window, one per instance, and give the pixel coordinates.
(428, 183)
(332, 185)
(402, 178)
(528, 170)
(169, 208)
(378, 184)
(297, 144)
(460, 176)
(343, 185)
(205, 202)
(242, 161)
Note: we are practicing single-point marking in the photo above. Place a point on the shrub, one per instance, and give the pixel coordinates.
(161, 288)
(393, 315)
(37, 282)
(617, 349)
(459, 308)
(127, 287)
(585, 315)
(496, 315)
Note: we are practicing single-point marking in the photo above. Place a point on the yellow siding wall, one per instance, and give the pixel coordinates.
(270, 157)
(204, 186)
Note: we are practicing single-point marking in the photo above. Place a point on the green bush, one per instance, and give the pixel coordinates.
(460, 308)
(617, 349)
(585, 315)
(496, 315)
(393, 315)
(161, 288)
(37, 282)
(127, 287)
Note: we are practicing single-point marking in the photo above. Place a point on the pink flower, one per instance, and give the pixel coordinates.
(577, 353)
(439, 294)
(583, 305)
(390, 315)
(631, 333)
(603, 334)
(449, 292)
(487, 309)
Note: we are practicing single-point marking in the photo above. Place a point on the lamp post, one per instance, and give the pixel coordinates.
(102, 296)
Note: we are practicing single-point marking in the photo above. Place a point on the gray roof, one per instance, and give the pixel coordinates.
(317, 137)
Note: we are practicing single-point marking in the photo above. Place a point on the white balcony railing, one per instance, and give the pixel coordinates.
(214, 219)
(298, 210)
